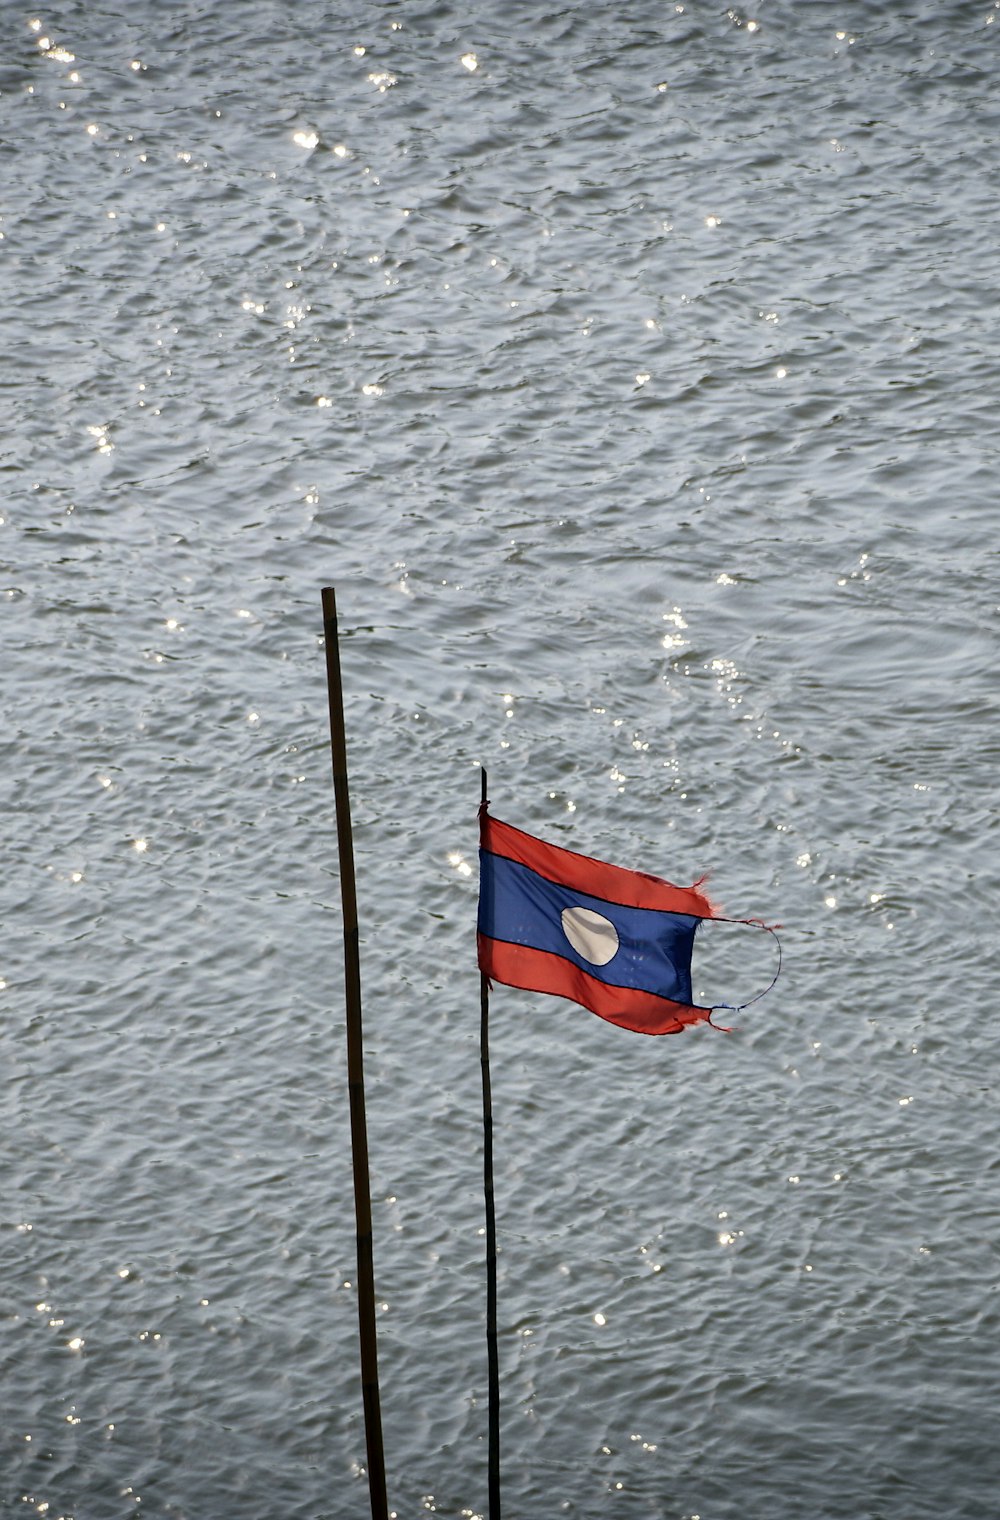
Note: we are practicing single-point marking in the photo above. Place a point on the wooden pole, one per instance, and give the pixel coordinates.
(492, 1357)
(355, 1067)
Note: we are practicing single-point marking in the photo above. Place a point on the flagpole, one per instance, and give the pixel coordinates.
(355, 1066)
(492, 1358)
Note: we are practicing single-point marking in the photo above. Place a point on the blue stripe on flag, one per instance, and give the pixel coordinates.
(521, 907)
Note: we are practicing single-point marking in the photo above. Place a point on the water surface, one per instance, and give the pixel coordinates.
(630, 372)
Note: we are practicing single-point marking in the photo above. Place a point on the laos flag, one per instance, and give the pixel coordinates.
(618, 942)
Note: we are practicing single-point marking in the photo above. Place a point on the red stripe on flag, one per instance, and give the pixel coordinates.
(538, 971)
(633, 889)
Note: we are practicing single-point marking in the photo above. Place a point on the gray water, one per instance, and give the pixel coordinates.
(631, 372)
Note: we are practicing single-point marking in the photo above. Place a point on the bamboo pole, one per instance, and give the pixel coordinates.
(355, 1067)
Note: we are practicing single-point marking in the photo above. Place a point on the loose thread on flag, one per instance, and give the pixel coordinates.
(771, 929)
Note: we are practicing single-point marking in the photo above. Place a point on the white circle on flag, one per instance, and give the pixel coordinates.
(592, 936)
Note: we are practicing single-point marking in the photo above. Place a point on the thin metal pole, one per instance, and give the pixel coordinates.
(355, 1067)
(493, 1362)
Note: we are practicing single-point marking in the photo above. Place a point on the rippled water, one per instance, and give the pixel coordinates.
(630, 370)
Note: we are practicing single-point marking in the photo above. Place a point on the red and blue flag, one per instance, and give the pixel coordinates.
(618, 942)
